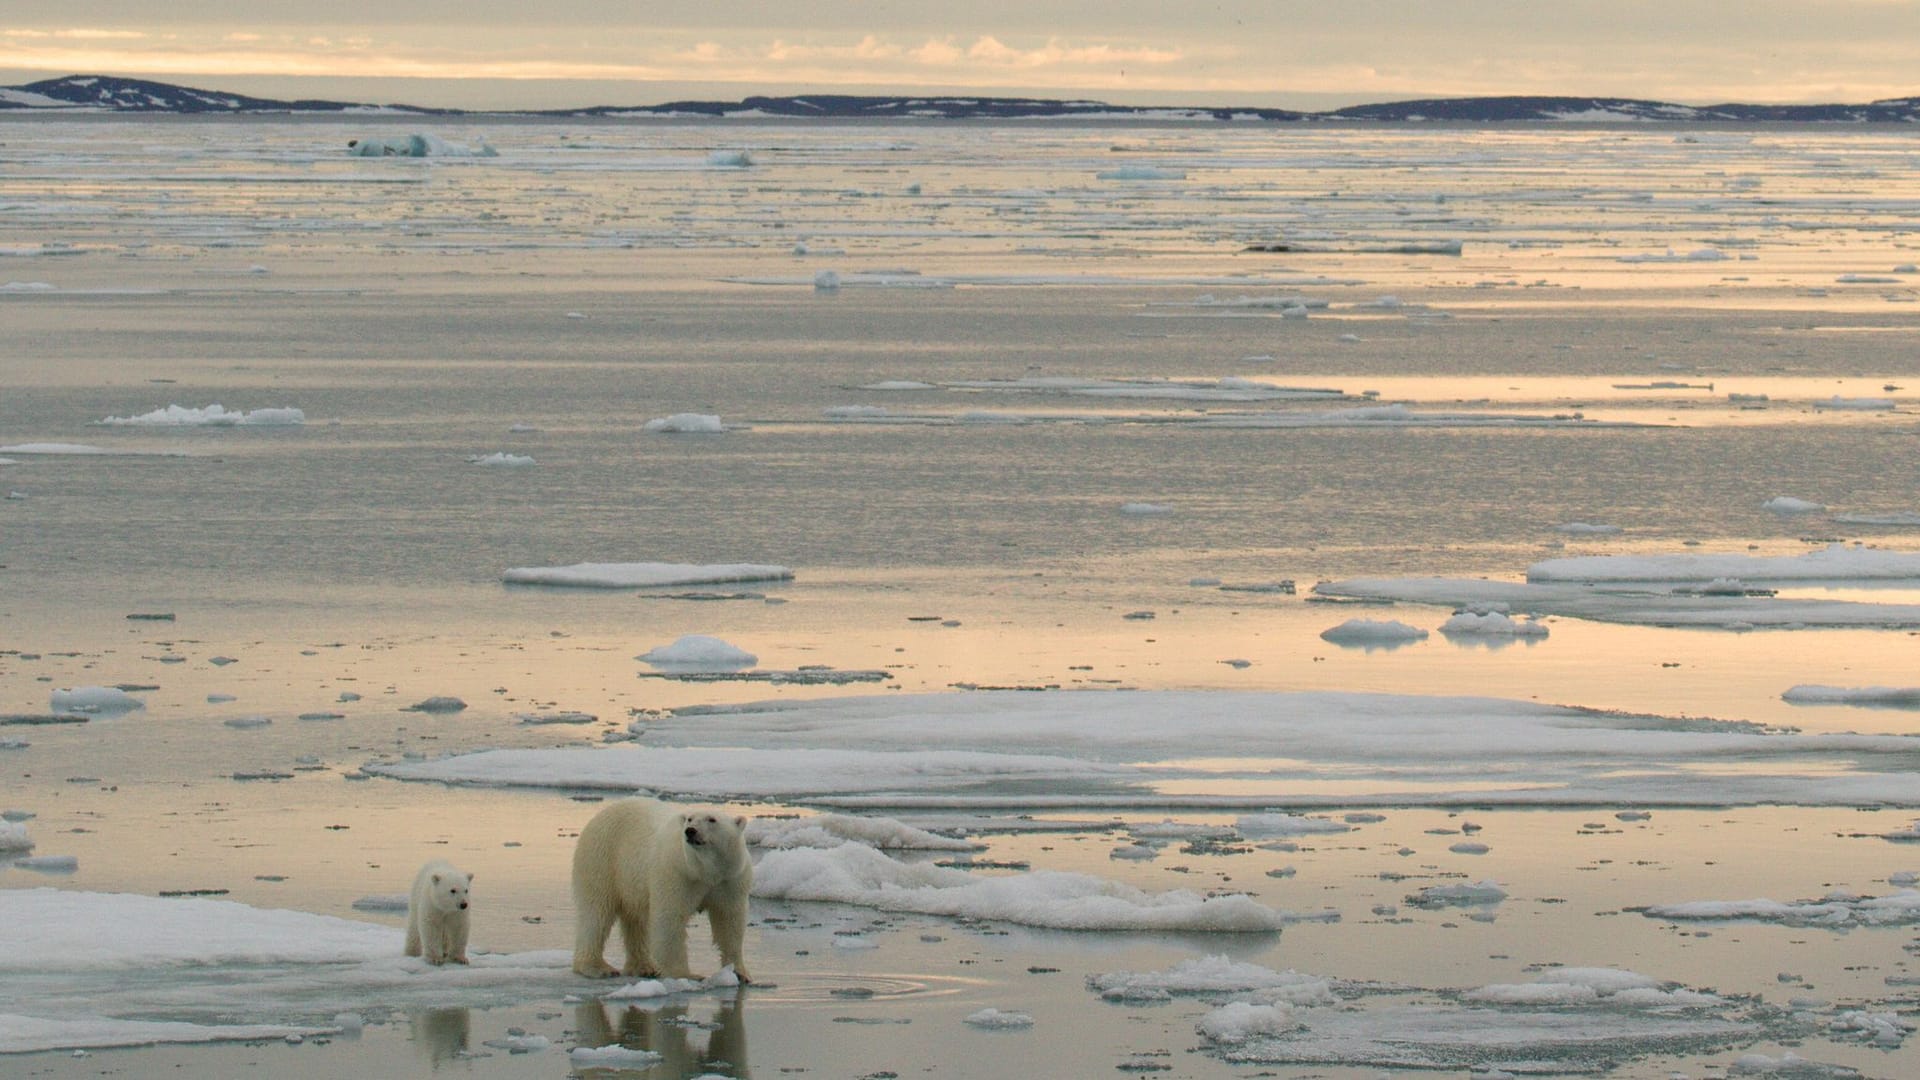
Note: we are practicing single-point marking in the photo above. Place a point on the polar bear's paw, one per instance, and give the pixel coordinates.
(599, 969)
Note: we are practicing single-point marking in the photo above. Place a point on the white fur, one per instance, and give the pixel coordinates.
(437, 914)
(650, 866)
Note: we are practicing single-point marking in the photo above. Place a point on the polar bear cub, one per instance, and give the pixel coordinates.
(651, 866)
(437, 913)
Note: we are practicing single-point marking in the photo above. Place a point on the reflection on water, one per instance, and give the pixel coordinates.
(687, 1044)
(441, 1034)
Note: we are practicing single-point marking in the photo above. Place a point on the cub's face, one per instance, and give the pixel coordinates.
(712, 832)
(450, 891)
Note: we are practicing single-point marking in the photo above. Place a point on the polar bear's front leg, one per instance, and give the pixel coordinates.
(457, 940)
(728, 917)
(413, 933)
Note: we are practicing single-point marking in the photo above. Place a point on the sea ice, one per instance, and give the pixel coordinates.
(699, 651)
(1215, 975)
(1787, 504)
(1238, 1021)
(1145, 509)
(211, 416)
(14, 837)
(1264, 825)
(31, 1034)
(1492, 623)
(729, 159)
(687, 424)
(1373, 632)
(642, 575)
(1899, 697)
(502, 460)
(64, 930)
(613, 1057)
(833, 830)
(1835, 562)
(1485, 892)
(1838, 911)
(95, 701)
(856, 874)
(994, 1019)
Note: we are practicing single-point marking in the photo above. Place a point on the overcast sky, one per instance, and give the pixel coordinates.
(490, 53)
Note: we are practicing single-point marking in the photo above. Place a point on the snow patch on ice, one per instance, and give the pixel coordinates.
(211, 416)
(642, 574)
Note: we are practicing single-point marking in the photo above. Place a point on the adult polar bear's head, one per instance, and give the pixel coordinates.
(714, 838)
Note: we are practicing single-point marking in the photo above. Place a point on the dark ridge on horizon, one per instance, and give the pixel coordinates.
(111, 94)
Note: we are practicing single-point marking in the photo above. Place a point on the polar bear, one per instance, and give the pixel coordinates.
(651, 866)
(437, 913)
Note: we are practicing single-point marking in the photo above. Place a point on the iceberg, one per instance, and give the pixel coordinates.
(416, 146)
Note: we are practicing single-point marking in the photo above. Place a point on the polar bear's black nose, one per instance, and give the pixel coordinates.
(693, 835)
(463, 905)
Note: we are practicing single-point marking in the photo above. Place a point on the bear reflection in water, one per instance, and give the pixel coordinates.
(687, 1045)
(441, 1034)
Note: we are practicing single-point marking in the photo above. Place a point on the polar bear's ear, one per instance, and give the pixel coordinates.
(470, 879)
(436, 879)
(740, 822)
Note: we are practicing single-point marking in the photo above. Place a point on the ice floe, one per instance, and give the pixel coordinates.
(14, 838)
(1214, 975)
(1237, 1021)
(1006, 749)
(95, 701)
(833, 830)
(1787, 504)
(60, 930)
(699, 651)
(1373, 633)
(210, 416)
(52, 448)
(501, 460)
(1894, 697)
(860, 875)
(642, 574)
(616, 1058)
(687, 424)
(1720, 601)
(1484, 620)
(1836, 911)
(29, 1034)
(1835, 562)
(997, 1020)
(1901, 519)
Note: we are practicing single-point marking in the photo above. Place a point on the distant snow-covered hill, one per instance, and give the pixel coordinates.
(109, 94)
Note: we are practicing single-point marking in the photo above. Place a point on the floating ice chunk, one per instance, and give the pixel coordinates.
(855, 412)
(95, 701)
(382, 902)
(26, 287)
(613, 1057)
(1469, 847)
(1364, 632)
(826, 281)
(1141, 172)
(52, 448)
(857, 874)
(646, 989)
(1882, 1029)
(1485, 892)
(1787, 504)
(899, 384)
(502, 460)
(48, 864)
(1899, 697)
(1581, 528)
(1145, 509)
(1789, 1066)
(1862, 404)
(248, 722)
(1492, 623)
(30, 1034)
(1263, 825)
(687, 424)
(14, 837)
(211, 416)
(832, 830)
(1902, 519)
(1696, 255)
(1216, 975)
(1835, 562)
(1238, 1021)
(566, 716)
(701, 651)
(437, 704)
(1839, 911)
(642, 575)
(421, 145)
(996, 1020)
(729, 159)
